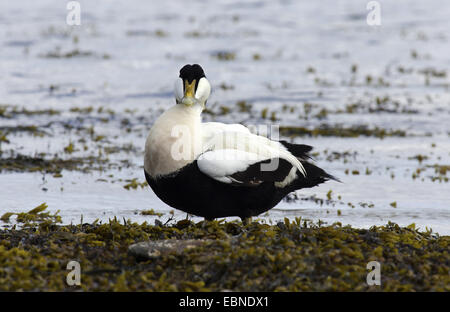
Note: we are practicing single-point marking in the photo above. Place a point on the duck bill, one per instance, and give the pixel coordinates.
(189, 93)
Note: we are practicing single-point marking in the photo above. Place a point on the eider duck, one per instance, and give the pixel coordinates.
(216, 170)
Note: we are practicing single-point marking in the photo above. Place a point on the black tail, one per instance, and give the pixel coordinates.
(298, 150)
(314, 176)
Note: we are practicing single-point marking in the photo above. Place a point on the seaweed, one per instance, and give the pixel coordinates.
(293, 255)
(340, 131)
(24, 163)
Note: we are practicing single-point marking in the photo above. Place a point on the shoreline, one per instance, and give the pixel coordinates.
(294, 255)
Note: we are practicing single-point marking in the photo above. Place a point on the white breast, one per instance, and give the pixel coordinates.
(174, 141)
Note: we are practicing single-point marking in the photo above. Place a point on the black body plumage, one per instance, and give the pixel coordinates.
(191, 191)
(214, 189)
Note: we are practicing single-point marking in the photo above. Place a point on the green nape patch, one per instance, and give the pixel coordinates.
(289, 256)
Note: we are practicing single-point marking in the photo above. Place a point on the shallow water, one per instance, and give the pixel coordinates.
(301, 64)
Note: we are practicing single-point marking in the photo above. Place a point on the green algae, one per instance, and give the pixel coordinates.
(9, 111)
(340, 131)
(224, 55)
(33, 130)
(75, 53)
(295, 255)
(3, 137)
(145, 33)
(24, 163)
(135, 184)
(37, 215)
(244, 106)
(440, 171)
(151, 212)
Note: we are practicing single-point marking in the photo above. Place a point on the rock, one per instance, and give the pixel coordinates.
(282, 226)
(154, 249)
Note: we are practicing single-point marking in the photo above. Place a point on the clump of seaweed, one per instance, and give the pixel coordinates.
(57, 54)
(134, 184)
(37, 215)
(294, 255)
(340, 131)
(33, 130)
(9, 111)
(3, 137)
(224, 55)
(146, 33)
(55, 165)
(151, 212)
(23, 163)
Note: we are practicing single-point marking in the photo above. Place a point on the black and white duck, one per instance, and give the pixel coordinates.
(218, 170)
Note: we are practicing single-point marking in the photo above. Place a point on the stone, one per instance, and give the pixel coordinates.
(155, 249)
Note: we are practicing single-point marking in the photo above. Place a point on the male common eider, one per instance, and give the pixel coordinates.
(219, 170)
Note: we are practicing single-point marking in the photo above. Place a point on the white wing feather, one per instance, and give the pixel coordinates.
(221, 164)
(232, 148)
